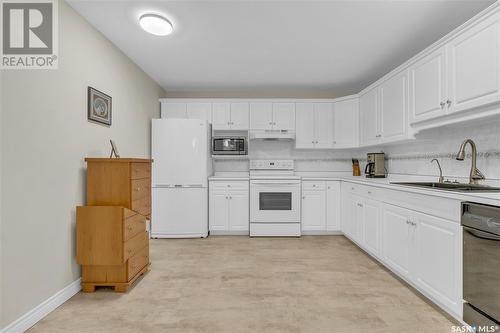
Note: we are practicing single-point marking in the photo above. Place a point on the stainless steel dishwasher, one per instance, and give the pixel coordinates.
(481, 264)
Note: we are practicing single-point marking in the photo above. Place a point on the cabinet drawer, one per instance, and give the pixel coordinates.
(140, 170)
(232, 185)
(140, 188)
(313, 185)
(137, 262)
(134, 244)
(133, 225)
(142, 206)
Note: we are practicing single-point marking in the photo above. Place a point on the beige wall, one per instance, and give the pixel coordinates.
(45, 137)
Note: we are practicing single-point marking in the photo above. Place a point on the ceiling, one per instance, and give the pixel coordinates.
(322, 48)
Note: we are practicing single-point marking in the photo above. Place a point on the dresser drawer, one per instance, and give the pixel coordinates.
(142, 206)
(137, 262)
(140, 188)
(313, 185)
(134, 244)
(140, 170)
(133, 225)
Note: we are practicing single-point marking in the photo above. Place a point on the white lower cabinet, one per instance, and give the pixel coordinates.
(397, 235)
(425, 250)
(229, 207)
(313, 210)
(320, 206)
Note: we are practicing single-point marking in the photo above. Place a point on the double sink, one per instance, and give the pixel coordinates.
(457, 187)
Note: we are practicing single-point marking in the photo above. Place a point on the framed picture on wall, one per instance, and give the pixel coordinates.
(99, 107)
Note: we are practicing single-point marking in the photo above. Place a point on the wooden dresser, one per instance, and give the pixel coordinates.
(122, 182)
(112, 241)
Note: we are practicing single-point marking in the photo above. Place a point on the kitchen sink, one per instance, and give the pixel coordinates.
(458, 187)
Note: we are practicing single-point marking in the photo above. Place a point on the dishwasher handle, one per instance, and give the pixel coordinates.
(481, 234)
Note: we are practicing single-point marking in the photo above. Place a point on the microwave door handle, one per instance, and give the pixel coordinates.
(481, 234)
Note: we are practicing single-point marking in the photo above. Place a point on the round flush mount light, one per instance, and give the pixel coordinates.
(156, 24)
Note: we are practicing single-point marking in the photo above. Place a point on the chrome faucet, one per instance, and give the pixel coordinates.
(441, 179)
(475, 174)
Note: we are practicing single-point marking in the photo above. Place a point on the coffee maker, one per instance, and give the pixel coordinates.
(375, 165)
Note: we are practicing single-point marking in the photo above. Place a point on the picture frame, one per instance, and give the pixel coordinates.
(99, 107)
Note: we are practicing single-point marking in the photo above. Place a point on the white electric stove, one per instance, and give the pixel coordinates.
(274, 199)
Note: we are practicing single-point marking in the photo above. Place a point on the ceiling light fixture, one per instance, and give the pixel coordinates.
(156, 25)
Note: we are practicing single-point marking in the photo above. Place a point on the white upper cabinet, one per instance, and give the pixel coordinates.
(284, 116)
(428, 86)
(239, 115)
(304, 127)
(474, 65)
(199, 111)
(272, 116)
(369, 118)
(173, 110)
(394, 107)
(323, 113)
(261, 116)
(221, 116)
(314, 125)
(230, 116)
(346, 123)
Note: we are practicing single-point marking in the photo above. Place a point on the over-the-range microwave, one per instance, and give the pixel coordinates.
(229, 145)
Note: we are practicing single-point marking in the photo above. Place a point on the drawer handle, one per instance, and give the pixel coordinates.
(129, 228)
(137, 189)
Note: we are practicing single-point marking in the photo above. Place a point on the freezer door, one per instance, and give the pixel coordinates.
(179, 148)
(179, 213)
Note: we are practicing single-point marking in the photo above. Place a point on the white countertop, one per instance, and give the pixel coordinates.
(488, 198)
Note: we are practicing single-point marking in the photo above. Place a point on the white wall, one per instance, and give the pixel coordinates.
(411, 158)
(45, 137)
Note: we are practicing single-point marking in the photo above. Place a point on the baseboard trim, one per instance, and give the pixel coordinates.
(36, 314)
(321, 233)
(229, 233)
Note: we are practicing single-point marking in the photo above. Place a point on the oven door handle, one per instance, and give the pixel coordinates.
(481, 234)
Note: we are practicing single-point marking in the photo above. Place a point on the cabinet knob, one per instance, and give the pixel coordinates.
(369, 192)
(442, 104)
(304, 197)
(137, 189)
(129, 228)
(228, 185)
(329, 187)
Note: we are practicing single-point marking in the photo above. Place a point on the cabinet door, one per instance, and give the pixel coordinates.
(221, 119)
(428, 87)
(200, 111)
(368, 114)
(333, 205)
(239, 116)
(475, 65)
(173, 110)
(359, 217)
(323, 113)
(438, 259)
(348, 212)
(304, 133)
(261, 116)
(396, 238)
(313, 210)
(219, 212)
(284, 116)
(394, 107)
(346, 124)
(371, 223)
(239, 211)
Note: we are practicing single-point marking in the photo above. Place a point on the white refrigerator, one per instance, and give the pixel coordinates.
(181, 164)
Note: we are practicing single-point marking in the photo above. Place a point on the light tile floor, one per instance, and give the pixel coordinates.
(241, 284)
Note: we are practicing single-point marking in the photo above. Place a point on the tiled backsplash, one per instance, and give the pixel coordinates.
(412, 158)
